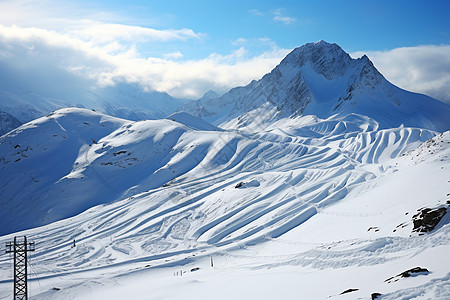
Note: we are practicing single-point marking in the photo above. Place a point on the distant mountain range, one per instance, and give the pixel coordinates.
(315, 79)
(124, 100)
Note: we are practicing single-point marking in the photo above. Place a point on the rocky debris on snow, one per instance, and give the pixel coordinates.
(408, 273)
(402, 225)
(253, 183)
(126, 162)
(435, 145)
(195, 269)
(239, 185)
(119, 152)
(348, 291)
(375, 295)
(427, 219)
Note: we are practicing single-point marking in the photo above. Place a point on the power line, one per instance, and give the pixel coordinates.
(35, 274)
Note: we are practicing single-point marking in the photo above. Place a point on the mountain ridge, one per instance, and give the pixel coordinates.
(7, 123)
(123, 100)
(322, 79)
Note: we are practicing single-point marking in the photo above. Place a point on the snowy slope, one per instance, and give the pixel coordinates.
(7, 123)
(311, 187)
(34, 160)
(321, 79)
(73, 159)
(306, 200)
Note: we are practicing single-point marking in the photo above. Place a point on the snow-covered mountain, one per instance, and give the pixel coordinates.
(124, 100)
(73, 159)
(310, 194)
(322, 80)
(7, 123)
(299, 194)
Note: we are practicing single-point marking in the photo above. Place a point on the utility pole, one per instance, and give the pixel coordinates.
(20, 247)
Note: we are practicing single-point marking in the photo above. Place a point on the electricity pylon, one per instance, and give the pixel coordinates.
(20, 247)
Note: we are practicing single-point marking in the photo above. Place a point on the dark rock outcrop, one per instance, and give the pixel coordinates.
(375, 295)
(427, 219)
(408, 273)
(349, 291)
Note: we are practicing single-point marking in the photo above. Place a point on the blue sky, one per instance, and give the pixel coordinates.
(354, 25)
(187, 47)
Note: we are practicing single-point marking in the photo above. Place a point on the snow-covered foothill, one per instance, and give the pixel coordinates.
(306, 205)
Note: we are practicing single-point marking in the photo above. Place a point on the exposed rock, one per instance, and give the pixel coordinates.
(349, 291)
(415, 270)
(374, 228)
(427, 219)
(253, 183)
(239, 185)
(375, 295)
(119, 152)
(408, 273)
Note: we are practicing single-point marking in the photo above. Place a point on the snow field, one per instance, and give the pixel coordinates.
(277, 213)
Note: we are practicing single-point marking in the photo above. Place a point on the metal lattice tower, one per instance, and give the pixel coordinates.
(20, 247)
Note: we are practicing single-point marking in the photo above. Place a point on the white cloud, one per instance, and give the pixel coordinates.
(280, 17)
(52, 14)
(174, 55)
(81, 47)
(38, 53)
(422, 69)
(84, 23)
(46, 59)
(113, 32)
(256, 12)
(192, 78)
(239, 41)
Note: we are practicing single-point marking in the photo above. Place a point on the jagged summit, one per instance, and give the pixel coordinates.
(321, 79)
(326, 59)
(210, 95)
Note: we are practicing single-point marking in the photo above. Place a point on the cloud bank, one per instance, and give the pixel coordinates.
(44, 60)
(106, 61)
(422, 69)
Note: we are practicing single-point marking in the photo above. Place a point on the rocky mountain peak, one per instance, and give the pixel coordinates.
(324, 58)
(321, 79)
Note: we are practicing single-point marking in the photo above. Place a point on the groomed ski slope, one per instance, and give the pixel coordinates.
(295, 211)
